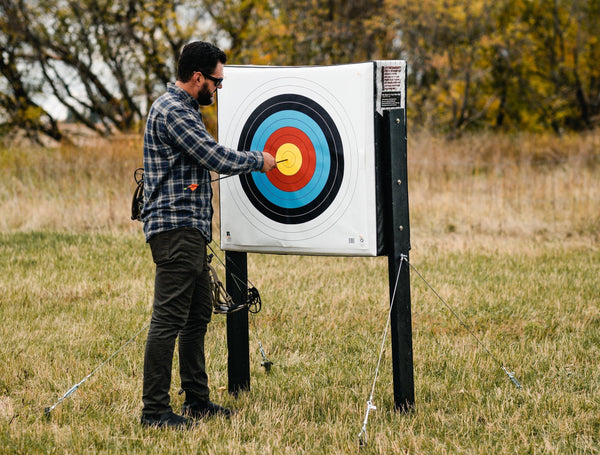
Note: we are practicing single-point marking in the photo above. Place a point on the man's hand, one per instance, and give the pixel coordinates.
(269, 163)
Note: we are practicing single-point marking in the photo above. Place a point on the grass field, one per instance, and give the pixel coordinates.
(506, 229)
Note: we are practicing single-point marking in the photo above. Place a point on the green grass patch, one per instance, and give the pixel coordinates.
(69, 300)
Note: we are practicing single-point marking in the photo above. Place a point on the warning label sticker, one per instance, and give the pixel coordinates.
(392, 78)
(390, 85)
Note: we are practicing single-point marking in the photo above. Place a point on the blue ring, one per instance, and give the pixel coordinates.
(301, 121)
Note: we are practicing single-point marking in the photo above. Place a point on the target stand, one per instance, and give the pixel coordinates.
(340, 188)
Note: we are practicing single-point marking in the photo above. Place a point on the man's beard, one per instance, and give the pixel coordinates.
(205, 96)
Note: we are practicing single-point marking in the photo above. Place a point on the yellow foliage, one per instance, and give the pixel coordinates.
(32, 113)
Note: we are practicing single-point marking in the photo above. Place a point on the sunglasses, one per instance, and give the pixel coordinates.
(217, 80)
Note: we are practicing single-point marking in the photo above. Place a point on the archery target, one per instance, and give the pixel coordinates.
(317, 122)
(302, 137)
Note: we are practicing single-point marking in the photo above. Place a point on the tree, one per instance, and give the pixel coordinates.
(18, 109)
(325, 32)
(473, 64)
(564, 34)
(510, 64)
(444, 42)
(104, 60)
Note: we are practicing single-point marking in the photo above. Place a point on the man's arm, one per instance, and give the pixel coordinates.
(188, 132)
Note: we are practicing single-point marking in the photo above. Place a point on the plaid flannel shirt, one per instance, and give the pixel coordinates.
(178, 155)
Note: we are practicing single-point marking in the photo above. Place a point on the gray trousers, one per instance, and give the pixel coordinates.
(182, 307)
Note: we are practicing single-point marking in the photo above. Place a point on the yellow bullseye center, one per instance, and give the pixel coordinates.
(292, 156)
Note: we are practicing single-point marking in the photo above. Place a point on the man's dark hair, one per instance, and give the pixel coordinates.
(198, 56)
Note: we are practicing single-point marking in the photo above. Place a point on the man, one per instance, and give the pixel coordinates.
(177, 216)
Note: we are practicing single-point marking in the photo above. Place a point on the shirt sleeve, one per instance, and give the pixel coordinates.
(188, 132)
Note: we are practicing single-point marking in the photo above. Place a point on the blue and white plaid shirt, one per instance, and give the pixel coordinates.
(178, 155)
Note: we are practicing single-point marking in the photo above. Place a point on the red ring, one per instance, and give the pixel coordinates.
(301, 178)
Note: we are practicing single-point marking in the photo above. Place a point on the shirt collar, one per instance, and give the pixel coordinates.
(183, 95)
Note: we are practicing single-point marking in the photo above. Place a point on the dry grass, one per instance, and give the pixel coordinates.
(527, 186)
(533, 187)
(67, 188)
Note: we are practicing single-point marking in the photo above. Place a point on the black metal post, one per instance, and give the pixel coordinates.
(238, 344)
(399, 276)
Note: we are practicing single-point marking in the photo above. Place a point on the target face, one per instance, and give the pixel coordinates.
(318, 124)
(303, 138)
